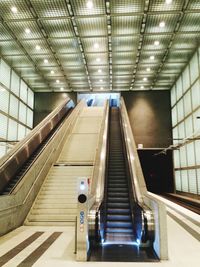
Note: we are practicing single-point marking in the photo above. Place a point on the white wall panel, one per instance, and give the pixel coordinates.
(30, 98)
(179, 88)
(29, 118)
(12, 130)
(186, 79)
(21, 131)
(184, 178)
(187, 103)
(180, 110)
(174, 116)
(177, 159)
(173, 95)
(4, 73)
(22, 112)
(188, 126)
(178, 180)
(3, 126)
(198, 181)
(15, 83)
(197, 151)
(175, 135)
(190, 154)
(183, 156)
(14, 106)
(23, 91)
(196, 94)
(194, 70)
(192, 181)
(4, 99)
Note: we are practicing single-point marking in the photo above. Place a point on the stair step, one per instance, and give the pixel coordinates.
(118, 199)
(118, 211)
(118, 205)
(51, 217)
(119, 224)
(112, 217)
(119, 230)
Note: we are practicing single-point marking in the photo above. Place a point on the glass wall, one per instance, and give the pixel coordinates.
(185, 102)
(16, 108)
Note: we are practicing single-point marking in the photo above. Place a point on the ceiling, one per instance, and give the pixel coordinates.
(99, 45)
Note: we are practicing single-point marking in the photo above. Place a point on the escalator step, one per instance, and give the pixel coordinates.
(119, 230)
(120, 224)
(118, 211)
(122, 217)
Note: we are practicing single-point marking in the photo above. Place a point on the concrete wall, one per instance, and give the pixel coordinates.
(150, 117)
(46, 102)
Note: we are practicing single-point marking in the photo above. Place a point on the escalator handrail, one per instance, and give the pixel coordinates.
(11, 162)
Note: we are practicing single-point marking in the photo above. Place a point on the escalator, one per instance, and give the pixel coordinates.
(119, 226)
(18, 162)
(121, 230)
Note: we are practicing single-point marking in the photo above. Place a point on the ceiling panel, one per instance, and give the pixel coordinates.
(10, 48)
(95, 44)
(92, 26)
(49, 8)
(126, 6)
(153, 22)
(65, 45)
(23, 11)
(20, 27)
(126, 25)
(58, 28)
(81, 7)
(162, 6)
(124, 43)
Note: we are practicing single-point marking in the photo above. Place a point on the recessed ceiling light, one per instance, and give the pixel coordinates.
(89, 4)
(144, 79)
(37, 47)
(57, 81)
(148, 69)
(14, 9)
(162, 24)
(61, 89)
(46, 61)
(96, 45)
(99, 71)
(101, 88)
(98, 59)
(156, 43)
(142, 87)
(27, 30)
(52, 72)
(101, 80)
(152, 57)
(168, 2)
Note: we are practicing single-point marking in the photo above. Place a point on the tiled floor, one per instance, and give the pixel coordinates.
(184, 250)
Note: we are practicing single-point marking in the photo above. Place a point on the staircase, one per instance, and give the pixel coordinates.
(119, 228)
(56, 203)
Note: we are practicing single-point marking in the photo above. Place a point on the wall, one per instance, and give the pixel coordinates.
(46, 102)
(150, 118)
(16, 108)
(185, 101)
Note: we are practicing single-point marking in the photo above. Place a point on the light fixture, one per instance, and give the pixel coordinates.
(37, 47)
(101, 80)
(14, 9)
(61, 89)
(156, 43)
(99, 71)
(142, 87)
(89, 4)
(52, 72)
(144, 79)
(162, 24)
(57, 81)
(27, 30)
(101, 88)
(148, 69)
(2, 89)
(98, 59)
(96, 45)
(152, 57)
(168, 2)
(46, 61)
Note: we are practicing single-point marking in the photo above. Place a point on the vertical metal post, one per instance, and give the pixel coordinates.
(82, 222)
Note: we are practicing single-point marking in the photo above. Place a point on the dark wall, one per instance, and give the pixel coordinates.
(150, 117)
(47, 102)
(158, 170)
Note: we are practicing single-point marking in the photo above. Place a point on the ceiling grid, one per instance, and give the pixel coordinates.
(99, 45)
